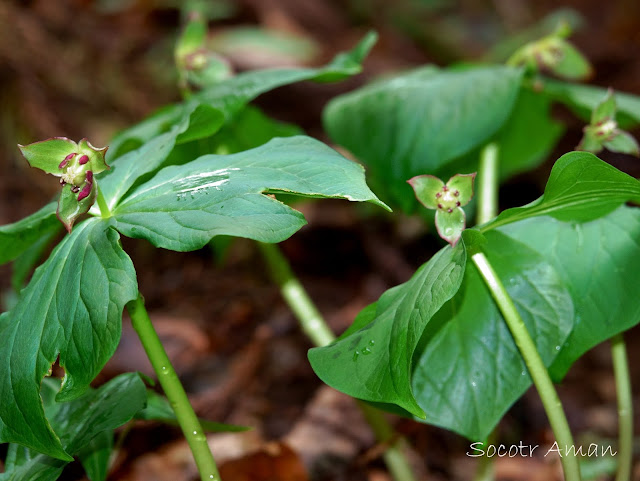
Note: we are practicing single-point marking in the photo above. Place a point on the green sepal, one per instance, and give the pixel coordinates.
(450, 224)
(554, 54)
(603, 130)
(69, 208)
(48, 154)
(426, 188)
(570, 64)
(462, 184)
(624, 143)
(605, 110)
(97, 162)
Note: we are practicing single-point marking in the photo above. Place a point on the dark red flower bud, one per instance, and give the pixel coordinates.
(83, 159)
(89, 176)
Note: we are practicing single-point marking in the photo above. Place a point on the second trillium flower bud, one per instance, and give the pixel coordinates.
(447, 200)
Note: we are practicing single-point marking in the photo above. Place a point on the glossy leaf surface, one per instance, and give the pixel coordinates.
(373, 360)
(201, 121)
(580, 188)
(599, 262)
(79, 422)
(418, 123)
(232, 95)
(18, 237)
(183, 207)
(70, 310)
(468, 370)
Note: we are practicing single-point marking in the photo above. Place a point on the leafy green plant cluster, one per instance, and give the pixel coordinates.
(160, 187)
(530, 289)
(514, 300)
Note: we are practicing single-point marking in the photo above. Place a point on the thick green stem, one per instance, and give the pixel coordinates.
(488, 184)
(174, 391)
(625, 407)
(296, 296)
(317, 330)
(536, 367)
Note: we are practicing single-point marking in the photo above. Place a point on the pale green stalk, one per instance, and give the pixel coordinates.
(488, 184)
(174, 391)
(537, 369)
(317, 330)
(102, 204)
(487, 187)
(625, 408)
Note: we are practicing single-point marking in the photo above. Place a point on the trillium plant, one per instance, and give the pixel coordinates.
(521, 295)
(510, 302)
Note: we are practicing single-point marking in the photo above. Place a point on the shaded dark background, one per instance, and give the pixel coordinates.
(87, 69)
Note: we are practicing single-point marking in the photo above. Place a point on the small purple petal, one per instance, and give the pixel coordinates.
(90, 177)
(75, 189)
(86, 190)
(83, 159)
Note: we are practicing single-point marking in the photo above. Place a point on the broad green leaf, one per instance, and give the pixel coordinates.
(183, 207)
(201, 121)
(159, 409)
(467, 369)
(18, 237)
(70, 311)
(79, 422)
(599, 262)
(418, 123)
(250, 128)
(583, 99)
(230, 96)
(580, 188)
(374, 362)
